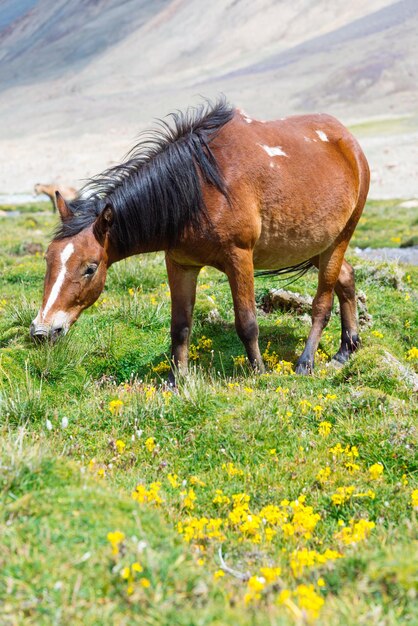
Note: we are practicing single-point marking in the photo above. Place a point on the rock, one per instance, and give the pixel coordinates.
(286, 301)
(404, 372)
(386, 274)
(410, 243)
(365, 320)
(32, 248)
(302, 305)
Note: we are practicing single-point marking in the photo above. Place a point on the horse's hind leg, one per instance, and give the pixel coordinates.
(345, 290)
(329, 265)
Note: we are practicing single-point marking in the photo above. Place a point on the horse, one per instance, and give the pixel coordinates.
(217, 187)
(69, 193)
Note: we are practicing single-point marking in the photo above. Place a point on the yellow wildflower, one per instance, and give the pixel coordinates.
(350, 451)
(323, 475)
(352, 467)
(144, 582)
(412, 354)
(318, 408)
(256, 583)
(239, 361)
(120, 445)
(194, 480)
(232, 470)
(342, 495)
(218, 574)
(189, 498)
(125, 573)
(220, 498)
(284, 596)
(367, 494)
(309, 600)
(377, 333)
(300, 559)
(161, 367)
(137, 567)
(376, 471)
(115, 406)
(324, 429)
(115, 539)
(414, 499)
(357, 531)
(270, 574)
(283, 390)
(304, 406)
(150, 444)
(150, 392)
(150, 496)
(173, 479)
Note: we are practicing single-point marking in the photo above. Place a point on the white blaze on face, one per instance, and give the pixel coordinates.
(322, 135)
(273, 150)
(56, 288)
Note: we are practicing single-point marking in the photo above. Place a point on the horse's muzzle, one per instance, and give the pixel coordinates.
(41, 333)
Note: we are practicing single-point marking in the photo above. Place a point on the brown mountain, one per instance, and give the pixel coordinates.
(80, 79)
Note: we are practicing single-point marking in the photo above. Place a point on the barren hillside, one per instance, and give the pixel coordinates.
(80, 79)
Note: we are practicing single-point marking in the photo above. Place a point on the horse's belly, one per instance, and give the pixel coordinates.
(286, 242)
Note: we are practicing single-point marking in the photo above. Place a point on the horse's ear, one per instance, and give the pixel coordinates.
(62, 206)
(103, 224)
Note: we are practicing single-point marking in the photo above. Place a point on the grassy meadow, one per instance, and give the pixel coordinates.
(239, 499)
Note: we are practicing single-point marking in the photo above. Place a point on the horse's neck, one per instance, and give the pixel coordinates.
(115, 253)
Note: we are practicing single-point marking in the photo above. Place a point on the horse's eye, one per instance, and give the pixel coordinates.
(90, 270)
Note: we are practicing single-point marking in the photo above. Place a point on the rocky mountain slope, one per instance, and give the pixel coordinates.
(80, 79)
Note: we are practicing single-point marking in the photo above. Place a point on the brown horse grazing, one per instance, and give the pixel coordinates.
(69, 193)
(221, 189)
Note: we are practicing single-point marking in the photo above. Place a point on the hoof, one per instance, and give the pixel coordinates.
(304, 367)
(340, 357)
(336, 364)
(171, 381)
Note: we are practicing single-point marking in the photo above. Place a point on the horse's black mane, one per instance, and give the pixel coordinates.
(157, 191)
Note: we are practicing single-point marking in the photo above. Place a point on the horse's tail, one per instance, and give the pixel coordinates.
(294, 272)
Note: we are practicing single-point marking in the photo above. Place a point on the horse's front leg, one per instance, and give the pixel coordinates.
(182, 281)
(240, 271)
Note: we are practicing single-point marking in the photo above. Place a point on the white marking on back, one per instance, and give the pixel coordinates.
(322, 135)
(245, 115)
(65, 255)
(273, 150)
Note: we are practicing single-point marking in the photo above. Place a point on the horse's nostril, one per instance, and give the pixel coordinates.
(39, 335)
(57, 332)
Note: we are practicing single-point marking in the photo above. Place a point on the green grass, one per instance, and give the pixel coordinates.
(385, 126)
(70, 457)
(386, 224)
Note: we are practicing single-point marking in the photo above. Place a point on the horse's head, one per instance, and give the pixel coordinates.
(75, 274)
